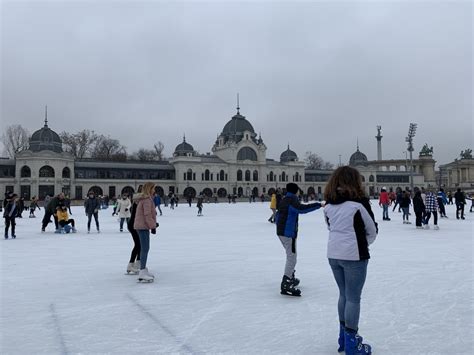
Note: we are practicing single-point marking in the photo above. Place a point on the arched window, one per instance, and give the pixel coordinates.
(297, 177)
(66, 173)
(207, 175)
(222, 192)
(363, 178)
(283, 176)
(311, 191)
(371, 178)
(255, 175)
(222, 177)
(247, 153)
(25, 172)
(128, 190)
(189, 192)
(97, 190)
(239, 175)
(189, 174)
(240, 192)
(207, 192)
(272, 177)
(255, 191)
(46, 171)
(159, 191)
(247, 175)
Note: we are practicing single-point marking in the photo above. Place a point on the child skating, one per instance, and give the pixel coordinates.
(287, 230)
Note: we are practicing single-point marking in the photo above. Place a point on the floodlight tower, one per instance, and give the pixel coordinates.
(409, 140)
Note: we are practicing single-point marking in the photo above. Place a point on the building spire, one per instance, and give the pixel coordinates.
(357, 143)
(238, 105)
(184, 137)
(46, 116)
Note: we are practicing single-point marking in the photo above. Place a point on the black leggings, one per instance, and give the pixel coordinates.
(419, 218)
(136, 248)
(435, 217)
(10, 221)
(89, 218)
(69, 221)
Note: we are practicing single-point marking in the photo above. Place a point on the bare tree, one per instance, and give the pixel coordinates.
(79, 144)
(15, 139)
(314, 161)
(106, 148)
(159, 147)
(145, 154)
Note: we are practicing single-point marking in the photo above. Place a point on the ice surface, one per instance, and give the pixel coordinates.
(217, 287)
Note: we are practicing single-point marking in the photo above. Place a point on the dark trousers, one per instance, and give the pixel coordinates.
(47, 217)
(69, 221)
(442, 210)
(136, 247)
(419, 218)
(10, 221)
(89, 218)
(459, 208)
(435, 217)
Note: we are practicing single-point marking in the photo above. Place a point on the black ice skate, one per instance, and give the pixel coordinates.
(288, 288)
(295, 280)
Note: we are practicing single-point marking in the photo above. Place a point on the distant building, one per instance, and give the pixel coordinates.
(238, 165)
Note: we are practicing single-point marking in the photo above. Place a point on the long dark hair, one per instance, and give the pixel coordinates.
(345, 182)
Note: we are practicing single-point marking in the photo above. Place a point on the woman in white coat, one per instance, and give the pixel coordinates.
(123, 210)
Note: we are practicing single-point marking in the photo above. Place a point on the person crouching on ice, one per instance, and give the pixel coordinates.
(63, 218)
(352, 229)
(286, 220)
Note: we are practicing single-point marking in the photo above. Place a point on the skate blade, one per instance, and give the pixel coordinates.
(145, 281)
(290, 294)
(131, 273)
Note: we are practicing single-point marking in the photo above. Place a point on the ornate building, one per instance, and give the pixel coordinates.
(238, 165)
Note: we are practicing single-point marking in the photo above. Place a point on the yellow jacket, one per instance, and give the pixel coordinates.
(273, 202)
(62, 215)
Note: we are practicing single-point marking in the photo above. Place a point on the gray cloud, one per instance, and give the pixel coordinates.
(317, 75)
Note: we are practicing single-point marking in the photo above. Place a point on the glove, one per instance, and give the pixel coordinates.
(153, 231)
(126, 210)
(157, 224)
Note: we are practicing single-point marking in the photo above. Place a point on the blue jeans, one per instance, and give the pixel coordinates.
(350, 278)
(144, 235)
(385, 211)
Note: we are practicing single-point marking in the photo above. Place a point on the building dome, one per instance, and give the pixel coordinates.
(288, 155)
(184, 149)
(358, 158)
(45, 139)
(237, 125)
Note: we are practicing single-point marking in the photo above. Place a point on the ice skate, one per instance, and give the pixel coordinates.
(6, 236)
(353, 344)
(144, 276)
(74, 230)
(436, 227)
(13, 236)
(295, 280)
(132, 269)
(419, 227)
(427, 226)
(288, 289)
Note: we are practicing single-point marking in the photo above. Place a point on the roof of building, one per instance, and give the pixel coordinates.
(288, 155)
(45, 139)
(357, 158)
(183, 148)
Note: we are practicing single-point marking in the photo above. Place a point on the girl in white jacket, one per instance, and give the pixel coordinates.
(352, 229)
(123, 210)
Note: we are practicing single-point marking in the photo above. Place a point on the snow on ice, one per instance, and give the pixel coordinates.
(217, 287)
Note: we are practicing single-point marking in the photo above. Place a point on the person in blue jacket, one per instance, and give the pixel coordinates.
(286, 220)
(442, 200)
(157, 201)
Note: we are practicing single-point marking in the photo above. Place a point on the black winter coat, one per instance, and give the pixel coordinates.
(91, 205)
(418, 205)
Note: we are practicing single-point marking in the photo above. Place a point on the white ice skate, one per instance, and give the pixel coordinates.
(436, 227)
(144, 276)
(132, 269)
(427, 226)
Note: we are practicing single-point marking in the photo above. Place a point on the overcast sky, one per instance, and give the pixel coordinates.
(318, 75)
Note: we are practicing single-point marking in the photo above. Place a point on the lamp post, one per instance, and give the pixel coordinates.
(409, 140)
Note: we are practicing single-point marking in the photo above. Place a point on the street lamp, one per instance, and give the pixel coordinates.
(409, 140)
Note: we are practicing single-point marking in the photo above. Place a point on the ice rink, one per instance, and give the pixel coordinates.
(217, 287)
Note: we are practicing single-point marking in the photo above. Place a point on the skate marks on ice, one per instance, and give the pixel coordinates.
(182, 345)
(57, 326)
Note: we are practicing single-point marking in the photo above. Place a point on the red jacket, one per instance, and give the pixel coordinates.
(383, 199)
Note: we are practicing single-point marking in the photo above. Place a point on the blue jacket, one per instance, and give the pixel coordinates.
(286, 218)
(157, 200)
(442, 196)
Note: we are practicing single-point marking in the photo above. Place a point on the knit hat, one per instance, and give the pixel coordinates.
(292, 188)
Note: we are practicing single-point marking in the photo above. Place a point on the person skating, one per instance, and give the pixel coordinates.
(33, 206)
(10, 213)
(442, 200)
(460, 200)
(431, 207)
(20, 207)
(145, 222)
(384, 202)
(450, 198)
(123, 210)
(157, 201)
(418, 208)
(199, 204)
(67, 202)
(352, 229)
(133, 266)
(273, 206)
(287, 230)
(405, 203)
(63, 218)
(50, 211)
(92, 206)
(398, 200)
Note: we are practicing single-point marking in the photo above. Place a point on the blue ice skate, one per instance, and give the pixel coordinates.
(354, 346)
